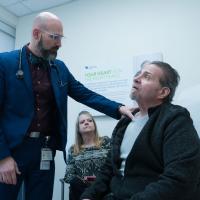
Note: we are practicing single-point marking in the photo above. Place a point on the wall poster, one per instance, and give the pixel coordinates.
(114, 82)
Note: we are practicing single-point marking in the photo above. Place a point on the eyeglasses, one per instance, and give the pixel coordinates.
(54, 36)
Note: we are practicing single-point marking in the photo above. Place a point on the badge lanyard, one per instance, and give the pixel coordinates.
(46, 155)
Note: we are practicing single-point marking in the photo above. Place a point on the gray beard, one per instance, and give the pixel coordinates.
(46, 53)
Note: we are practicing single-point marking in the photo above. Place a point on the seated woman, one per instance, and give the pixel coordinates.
(86, 156)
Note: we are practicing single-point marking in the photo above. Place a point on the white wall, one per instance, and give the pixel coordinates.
(7, 42)
(7, 30)
(111, 32)
(8, 18)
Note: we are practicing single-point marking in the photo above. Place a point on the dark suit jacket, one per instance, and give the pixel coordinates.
(17, 100)
(164, 163)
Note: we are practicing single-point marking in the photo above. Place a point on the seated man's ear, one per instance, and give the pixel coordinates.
(164, 92)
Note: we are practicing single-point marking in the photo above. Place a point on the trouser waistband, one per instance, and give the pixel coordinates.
(36, 134)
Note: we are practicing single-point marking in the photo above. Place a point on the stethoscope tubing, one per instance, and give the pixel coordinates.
(20, 72)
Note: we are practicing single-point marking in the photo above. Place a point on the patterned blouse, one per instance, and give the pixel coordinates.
(87, 162)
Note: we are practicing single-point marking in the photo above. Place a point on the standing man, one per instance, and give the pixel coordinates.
(156, 156)
(34, 87)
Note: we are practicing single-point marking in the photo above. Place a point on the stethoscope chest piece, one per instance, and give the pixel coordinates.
(20, 74)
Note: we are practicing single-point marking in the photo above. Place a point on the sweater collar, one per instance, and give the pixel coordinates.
(151, 110)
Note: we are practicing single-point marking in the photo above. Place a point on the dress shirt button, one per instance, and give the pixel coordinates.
(38, 124)
(38, 82)
(38, 109)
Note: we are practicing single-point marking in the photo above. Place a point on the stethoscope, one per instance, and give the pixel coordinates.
(20, 72)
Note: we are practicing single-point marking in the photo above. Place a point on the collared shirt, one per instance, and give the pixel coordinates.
(45, 107)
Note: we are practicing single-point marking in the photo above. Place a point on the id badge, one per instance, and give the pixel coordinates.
(45, 165)
(46, 154)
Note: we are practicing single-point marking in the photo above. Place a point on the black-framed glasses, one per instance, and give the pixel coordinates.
(54, 36)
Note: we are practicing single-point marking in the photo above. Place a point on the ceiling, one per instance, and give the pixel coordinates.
(24, 7)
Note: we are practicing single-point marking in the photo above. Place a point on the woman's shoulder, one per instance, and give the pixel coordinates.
(105, 141)
(105, 138)
(71, 149)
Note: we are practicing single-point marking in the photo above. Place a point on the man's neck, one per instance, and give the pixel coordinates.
(34, 50)
(144, 108)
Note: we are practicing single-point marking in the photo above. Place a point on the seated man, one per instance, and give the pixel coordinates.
(157, 155)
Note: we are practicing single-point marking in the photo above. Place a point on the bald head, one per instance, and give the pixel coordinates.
(47, 32)
(45, 19)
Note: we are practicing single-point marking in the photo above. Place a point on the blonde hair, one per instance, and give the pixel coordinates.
(78, 146)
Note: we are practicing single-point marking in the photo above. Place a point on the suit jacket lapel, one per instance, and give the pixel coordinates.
(27, 73)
